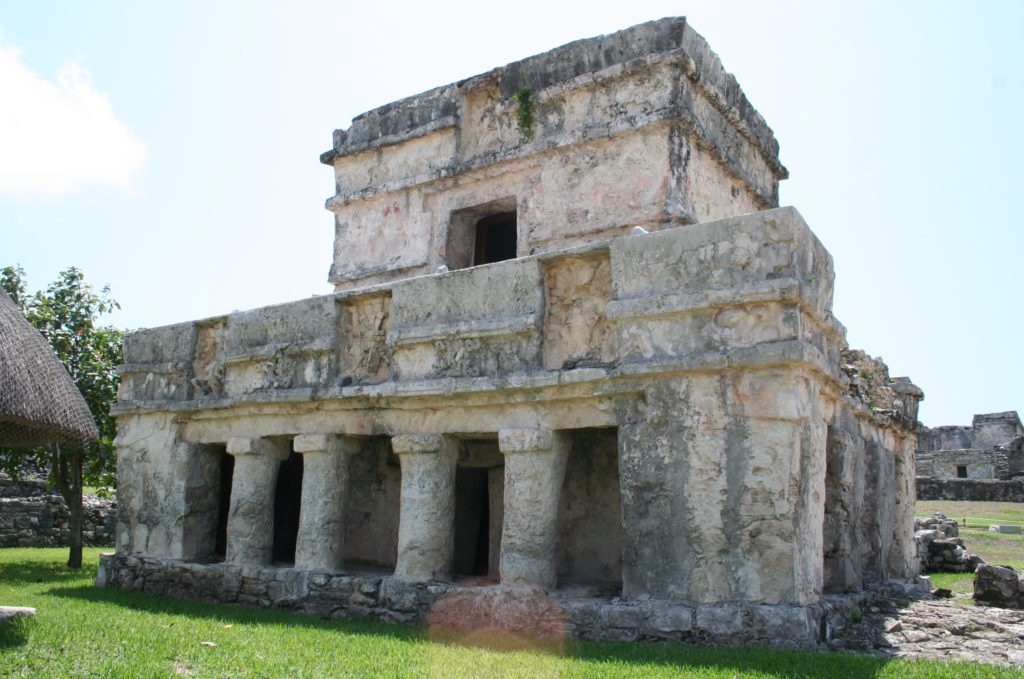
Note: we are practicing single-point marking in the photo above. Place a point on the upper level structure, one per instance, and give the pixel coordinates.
(643, 127)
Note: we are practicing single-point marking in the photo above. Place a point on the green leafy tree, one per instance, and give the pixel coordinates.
(66, 314)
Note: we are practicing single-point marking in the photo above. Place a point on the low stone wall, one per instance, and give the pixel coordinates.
(939, 547)
(451, 608)
(33, 516)
(986, 490)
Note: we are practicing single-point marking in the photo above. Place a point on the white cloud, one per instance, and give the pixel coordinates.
(56, 136)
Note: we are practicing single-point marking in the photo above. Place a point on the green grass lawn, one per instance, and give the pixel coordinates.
(995, 548)
(979, 515)
(82, 631)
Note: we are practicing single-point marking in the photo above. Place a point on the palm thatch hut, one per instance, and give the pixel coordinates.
(39, 403)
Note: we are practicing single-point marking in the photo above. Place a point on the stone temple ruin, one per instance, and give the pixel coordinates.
(577, 357)
(991, 448)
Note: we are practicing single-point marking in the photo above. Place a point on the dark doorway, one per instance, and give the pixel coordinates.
(287, 501)
(472, 522)
(495, 238)
(227, 474)
(961, 472)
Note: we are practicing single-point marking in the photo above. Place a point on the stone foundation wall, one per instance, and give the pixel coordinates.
(446, 606)
(980, 490)
(32, 516)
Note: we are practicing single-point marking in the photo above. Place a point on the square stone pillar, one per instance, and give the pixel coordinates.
(250, 532)
(426, 521)
(325, 489)
(534, 470)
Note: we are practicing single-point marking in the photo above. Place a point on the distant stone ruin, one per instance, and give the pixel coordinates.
(579, 376)
(991, 448)
(983, 462)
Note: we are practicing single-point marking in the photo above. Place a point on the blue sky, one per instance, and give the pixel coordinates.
(171, 150)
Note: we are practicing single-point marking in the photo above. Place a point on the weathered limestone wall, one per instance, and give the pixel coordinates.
(371, 517)
(739, 459)
(33, 516)
(590, 514)
(165, 486)
(870, 495)
(638, 128)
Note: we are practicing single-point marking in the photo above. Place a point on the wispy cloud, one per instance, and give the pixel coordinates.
(56, 136)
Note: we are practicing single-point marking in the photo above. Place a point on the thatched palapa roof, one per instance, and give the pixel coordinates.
(39, 403)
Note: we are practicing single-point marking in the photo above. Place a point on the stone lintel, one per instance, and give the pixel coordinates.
(257, 446)
(417, 443)
(307, 444)
(525, 440)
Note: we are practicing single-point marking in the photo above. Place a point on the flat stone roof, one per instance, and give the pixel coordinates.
(566, 66)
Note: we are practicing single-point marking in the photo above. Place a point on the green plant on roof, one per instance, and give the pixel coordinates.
(524, 98)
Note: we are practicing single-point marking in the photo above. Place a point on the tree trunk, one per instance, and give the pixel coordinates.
(67, 476)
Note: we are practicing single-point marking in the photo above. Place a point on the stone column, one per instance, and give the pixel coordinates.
(325, 479)
(250, 533)
(425, 524)
(534, 470)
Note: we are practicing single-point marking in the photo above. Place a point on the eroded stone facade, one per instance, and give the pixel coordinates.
(592, 367)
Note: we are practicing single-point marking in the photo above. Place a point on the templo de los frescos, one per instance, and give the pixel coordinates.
(576, 355)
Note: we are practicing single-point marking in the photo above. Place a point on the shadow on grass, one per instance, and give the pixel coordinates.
(232, 613)
(14, 632)
(24, 572)
(677, 656)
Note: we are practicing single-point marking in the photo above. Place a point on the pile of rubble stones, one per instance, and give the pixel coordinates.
(940, 548)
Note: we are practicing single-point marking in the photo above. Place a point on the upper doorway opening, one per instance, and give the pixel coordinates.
(495, 238)
(482, 234)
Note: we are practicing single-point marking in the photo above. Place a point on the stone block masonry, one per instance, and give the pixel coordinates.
(517, 406)
(32, 516)
(973, 490)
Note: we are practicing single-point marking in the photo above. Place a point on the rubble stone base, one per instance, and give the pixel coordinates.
(454, 610)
